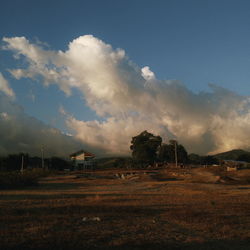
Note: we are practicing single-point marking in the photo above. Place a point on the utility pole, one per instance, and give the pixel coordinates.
(22, 165)
(42, 151)
(175, 151)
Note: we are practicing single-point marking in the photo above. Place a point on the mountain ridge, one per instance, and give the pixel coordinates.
(232, 154)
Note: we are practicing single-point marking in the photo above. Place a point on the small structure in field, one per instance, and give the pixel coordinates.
(231, 169)
(82, 160)
(232, 165)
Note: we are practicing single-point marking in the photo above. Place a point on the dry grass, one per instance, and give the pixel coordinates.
(174, 209)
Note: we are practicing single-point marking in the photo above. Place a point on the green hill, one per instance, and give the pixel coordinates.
(235, 154)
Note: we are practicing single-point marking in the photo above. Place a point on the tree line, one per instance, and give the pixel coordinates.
(148, 149)
(15, 162)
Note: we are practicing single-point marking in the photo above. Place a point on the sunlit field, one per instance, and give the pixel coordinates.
(132, 209)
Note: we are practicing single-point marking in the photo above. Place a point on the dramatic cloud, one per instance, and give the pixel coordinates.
(22, 133)
(5, 88)
(130, 99)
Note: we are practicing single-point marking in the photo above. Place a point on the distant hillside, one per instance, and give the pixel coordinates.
(113, 162)
(235, 154)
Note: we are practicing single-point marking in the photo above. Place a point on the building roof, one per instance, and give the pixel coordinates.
(87, 154)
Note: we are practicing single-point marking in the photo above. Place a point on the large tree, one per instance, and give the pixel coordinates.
(144, 147)
(167, 152)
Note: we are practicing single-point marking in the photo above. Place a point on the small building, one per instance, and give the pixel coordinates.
(82, 160)
(229, 169)
(232, 165)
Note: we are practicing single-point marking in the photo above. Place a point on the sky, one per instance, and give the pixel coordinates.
(93, 74)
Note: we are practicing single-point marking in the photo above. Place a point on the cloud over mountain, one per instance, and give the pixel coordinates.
(22, 133)
(130, 99)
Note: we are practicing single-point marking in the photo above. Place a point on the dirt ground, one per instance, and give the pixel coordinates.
(130, 209)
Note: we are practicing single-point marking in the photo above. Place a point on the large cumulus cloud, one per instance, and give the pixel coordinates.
(130, 99)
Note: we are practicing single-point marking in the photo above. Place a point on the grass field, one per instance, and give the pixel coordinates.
(133, 209)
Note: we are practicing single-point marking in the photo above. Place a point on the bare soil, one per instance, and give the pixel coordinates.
(130, 209)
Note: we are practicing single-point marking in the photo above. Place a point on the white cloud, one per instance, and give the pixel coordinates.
(112, 136)
(130, 99)
(5, 88)
(147, 73)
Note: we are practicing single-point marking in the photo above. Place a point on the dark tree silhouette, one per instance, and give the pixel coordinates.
(209, 160)
(167, 152)
(194, 159)
(144, 147)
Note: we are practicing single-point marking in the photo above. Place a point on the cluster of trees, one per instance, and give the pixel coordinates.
(148, 148)
(14, 162)
(145, 146)
(203, 160)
